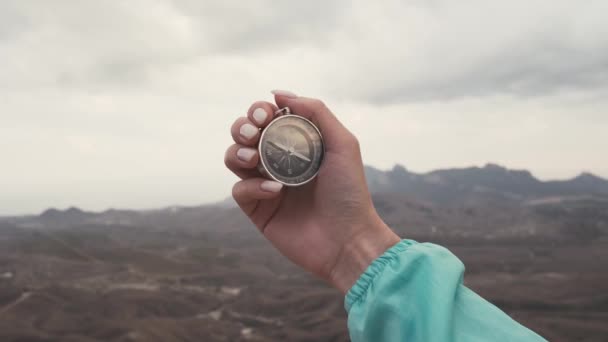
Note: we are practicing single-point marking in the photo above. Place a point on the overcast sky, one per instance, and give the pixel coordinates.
(128, 103)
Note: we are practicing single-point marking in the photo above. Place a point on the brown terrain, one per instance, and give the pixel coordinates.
(538, 250)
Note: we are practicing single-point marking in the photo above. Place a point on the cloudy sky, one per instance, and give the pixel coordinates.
(128, 103)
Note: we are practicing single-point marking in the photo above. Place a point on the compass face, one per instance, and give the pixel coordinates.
(291, 150)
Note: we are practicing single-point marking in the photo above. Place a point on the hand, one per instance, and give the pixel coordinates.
(329, 226)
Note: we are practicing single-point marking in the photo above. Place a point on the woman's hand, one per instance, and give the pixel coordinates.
(329, 226)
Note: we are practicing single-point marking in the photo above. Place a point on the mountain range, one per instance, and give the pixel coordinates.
(478, 185)
(450, 202)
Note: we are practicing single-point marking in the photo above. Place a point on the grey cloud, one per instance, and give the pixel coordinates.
(377, 52)
(90, 43)
(515, 72)
(445, 50)
(109, 44)
(12, 22)
(263, 25)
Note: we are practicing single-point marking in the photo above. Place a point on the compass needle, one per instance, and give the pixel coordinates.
(301, 156)
(277, 145)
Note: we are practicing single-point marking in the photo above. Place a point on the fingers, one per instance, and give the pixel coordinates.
(242, 158)
(242, 161)
(245, 132)
(261, 113)
(248, 192)
(335, 135)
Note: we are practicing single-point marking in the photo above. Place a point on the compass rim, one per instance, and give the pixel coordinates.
(267, 172)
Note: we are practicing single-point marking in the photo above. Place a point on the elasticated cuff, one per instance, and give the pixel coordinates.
(367, 278)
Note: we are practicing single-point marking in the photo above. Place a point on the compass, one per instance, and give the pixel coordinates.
(291, 149)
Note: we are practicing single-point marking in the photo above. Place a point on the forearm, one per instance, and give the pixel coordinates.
(368, 243)
(414, 292)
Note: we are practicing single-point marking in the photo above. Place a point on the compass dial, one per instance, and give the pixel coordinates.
(291, 150)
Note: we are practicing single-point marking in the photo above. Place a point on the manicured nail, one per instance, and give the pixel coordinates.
(271, 186)
(245, 154)
(248, 131)
(260, 116)
(285, 93)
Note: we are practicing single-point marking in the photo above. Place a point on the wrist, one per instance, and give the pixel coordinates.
(366, 245)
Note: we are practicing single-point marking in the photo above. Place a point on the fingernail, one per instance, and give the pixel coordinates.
(248, 131)
(260, 116)
(285, 93)
(245, 154)
(271, 186)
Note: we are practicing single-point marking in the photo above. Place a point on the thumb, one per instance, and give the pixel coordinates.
(335, 136)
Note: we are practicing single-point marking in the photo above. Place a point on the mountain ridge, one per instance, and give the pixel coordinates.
(466, 186)
(491, 182)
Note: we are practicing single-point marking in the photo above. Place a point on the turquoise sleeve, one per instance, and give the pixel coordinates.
(414, 292)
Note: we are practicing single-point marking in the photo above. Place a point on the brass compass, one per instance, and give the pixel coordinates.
(291, 149)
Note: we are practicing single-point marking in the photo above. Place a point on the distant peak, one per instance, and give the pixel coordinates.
(53, 213)
(74, 210)
(492, 166)
(398, 168)
(588, 176)
(50, 212)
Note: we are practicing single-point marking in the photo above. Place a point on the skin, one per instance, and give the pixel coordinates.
(328, 227)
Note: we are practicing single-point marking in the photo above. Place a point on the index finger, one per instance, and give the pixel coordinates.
(261, 113)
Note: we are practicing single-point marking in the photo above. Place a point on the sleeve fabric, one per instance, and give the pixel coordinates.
(414, 292)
